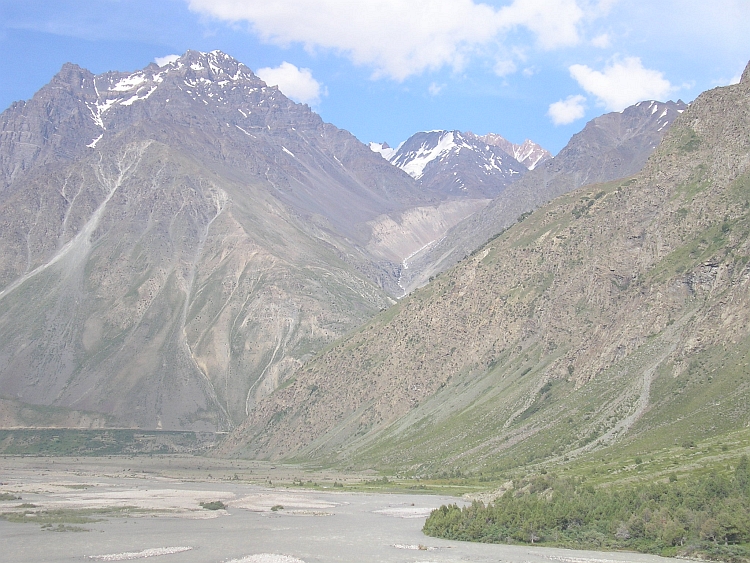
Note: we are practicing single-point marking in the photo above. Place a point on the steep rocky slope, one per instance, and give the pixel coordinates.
(178, 240)
(618, 313)
(612, 146)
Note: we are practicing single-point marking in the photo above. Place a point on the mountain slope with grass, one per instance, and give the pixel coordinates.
(615, 317)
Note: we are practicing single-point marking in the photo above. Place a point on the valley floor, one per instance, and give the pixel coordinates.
(127, 508)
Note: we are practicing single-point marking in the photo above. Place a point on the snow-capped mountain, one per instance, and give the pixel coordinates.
(528, 153)
(454, 163)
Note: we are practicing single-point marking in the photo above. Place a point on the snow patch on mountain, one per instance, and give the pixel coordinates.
(128, 83)
(414, 162)
(138, 98)
(92, 144)
(206, 77)
(455, 163)
(528, 153)
(384, 150)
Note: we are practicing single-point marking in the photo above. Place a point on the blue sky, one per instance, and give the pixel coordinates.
(384, 69)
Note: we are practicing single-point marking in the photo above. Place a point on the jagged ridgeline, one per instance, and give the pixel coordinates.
(617, 316)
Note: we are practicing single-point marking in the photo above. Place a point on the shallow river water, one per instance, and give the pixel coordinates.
(165, 524)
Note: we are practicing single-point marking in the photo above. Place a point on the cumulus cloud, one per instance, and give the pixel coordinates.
(602, 41)
(400, 38)
(554, 22)
(505, 67)
(163, 61)
(622, 83)
(295, 83)
(567, 110)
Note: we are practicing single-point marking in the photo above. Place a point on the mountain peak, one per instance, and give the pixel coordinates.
(71, 73)
(454, 163)
(528, 153)
(212, 64)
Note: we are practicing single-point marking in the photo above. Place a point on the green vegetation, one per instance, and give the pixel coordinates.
(65, 519)
(687, 140)
(67, 442)
(705, 516)
(9, 496)
(214, 505)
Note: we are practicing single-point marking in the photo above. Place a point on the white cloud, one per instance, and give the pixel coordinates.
(435, 88)
(505, 67)
(602, 41)
(554, 22)
(400, 38)
(295, 83)
(622, 83)
(567, 110)
(163, 61)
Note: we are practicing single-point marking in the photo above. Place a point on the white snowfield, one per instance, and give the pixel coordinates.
(414, 163)
(386, 152)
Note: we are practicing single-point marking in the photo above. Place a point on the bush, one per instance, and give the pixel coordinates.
(689, 517)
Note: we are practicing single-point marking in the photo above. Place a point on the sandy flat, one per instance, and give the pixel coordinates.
(291, 501)
(405, 512)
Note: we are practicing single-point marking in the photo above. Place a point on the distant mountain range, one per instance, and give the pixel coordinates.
(178, 241)
(455, 163)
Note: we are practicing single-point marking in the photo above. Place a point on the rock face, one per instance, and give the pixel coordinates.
(178, 240)
(616, 314)
(614, 145)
